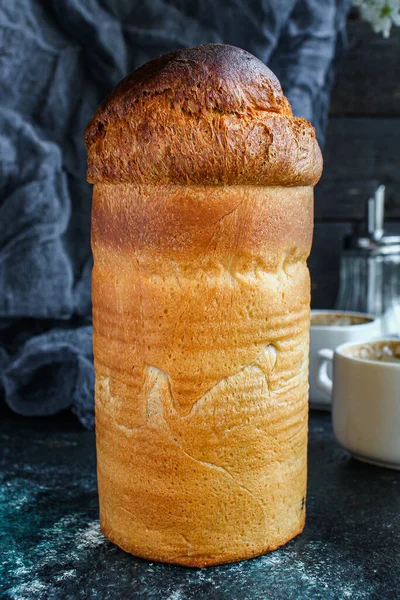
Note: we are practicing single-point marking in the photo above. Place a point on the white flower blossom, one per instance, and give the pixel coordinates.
(381, 14)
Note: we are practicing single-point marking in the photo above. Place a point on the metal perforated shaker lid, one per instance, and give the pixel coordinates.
(372, 239)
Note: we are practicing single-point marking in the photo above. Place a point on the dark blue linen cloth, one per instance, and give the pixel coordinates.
(58, 59)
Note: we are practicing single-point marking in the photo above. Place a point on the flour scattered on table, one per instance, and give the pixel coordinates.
(31, 589)
(91, 537)
(177, 595)
(66, 575)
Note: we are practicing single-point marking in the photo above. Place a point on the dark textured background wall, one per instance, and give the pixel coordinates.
(362, 149)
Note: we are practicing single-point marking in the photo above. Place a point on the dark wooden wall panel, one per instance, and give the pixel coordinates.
(324, 262)
(368, 79)
(362, 150)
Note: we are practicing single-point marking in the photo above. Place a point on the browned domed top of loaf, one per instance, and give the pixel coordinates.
(213, 114)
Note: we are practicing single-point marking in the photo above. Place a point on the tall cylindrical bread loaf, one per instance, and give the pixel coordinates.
(202, 223)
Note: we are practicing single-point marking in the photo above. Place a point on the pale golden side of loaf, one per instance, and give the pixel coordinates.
(201, 227)
(201, 310)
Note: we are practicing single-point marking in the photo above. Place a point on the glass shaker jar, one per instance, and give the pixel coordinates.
(370, 270)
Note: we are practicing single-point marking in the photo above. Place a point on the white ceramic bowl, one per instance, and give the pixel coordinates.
(366, 403)
(331, 336)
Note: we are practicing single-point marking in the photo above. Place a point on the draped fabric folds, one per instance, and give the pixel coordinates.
(58, 60)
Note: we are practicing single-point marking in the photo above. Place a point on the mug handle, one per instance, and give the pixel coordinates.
(324, 382)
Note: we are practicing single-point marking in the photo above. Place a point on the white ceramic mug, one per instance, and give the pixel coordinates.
(331, 336)
(366, 402)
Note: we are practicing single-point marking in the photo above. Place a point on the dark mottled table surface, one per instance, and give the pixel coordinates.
(51, 545)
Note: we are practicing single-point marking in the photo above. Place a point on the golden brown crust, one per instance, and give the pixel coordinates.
(201, 313)
(212, 114)
(232, 555)
(201, 299)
